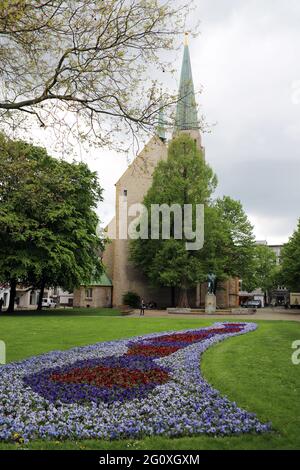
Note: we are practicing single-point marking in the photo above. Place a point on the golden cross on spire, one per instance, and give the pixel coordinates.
(186, 38)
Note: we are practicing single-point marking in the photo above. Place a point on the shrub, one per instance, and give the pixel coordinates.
(132, 299)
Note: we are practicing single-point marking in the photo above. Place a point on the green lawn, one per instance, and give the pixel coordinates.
(255, 370)
(65, 312)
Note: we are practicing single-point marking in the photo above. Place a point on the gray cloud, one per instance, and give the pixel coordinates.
(248, 62)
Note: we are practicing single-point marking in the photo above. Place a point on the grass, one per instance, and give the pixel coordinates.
(255, 370)
(65, 312)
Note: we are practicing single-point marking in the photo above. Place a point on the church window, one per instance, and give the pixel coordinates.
(89, 293)
(125, 192)
(32, 300)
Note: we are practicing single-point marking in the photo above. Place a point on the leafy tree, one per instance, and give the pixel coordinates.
(228, 248)
(264, 273)
(47, 219)
(87, 57)
(184, 178)
(290, 262)
(229, 241)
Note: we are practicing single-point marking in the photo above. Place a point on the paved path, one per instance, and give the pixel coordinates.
(261, 314)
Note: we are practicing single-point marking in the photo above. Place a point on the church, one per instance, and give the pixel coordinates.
(130, 189)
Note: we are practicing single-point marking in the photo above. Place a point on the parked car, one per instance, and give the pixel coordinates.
(252, 304)
(48, 303)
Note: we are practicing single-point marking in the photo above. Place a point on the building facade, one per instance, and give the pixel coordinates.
(281, 295)
(96, 294)
(27, 297)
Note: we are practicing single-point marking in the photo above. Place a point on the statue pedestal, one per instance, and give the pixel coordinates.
(210, 303)
(179, 310)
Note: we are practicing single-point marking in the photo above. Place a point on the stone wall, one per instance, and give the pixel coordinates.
(132, 187)
(101, 297)
(227, 294)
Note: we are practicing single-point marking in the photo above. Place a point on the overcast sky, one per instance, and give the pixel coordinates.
(247, 60)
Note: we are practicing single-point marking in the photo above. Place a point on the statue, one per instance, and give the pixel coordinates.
(210, 299)
(211, 283)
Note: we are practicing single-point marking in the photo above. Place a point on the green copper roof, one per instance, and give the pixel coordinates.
(161, 130)
(102, 280)
(186, 112)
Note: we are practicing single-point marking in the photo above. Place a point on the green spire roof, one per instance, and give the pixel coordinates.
(102, 280)
(161, 130)
(186, 112)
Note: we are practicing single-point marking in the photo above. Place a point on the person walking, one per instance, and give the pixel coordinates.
(143, 307)
(1, 304)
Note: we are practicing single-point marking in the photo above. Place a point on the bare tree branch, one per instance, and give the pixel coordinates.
(88, 58)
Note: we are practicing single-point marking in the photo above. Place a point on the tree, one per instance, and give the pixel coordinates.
(85, 57)
(47, 219)
(265, 270)
(184, 178)
(229, 241)
(228, 248)
(290, 262)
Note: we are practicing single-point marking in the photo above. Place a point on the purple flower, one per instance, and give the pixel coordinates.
(33, 405)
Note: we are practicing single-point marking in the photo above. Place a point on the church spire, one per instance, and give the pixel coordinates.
(160, 129)
(186, 112)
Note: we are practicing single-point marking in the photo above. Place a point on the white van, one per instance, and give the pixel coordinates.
(49, 303)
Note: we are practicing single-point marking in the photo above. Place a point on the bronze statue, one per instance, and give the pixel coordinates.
(211, 283)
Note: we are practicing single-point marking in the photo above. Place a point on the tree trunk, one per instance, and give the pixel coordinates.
(39, 305)
(183, 298)
(12, 296)
(216, 286)
(198, 295)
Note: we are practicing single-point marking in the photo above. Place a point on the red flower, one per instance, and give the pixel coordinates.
(123, 377)
(151, 350)
(100, 376)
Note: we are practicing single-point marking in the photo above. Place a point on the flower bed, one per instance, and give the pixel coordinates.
(150, 385)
